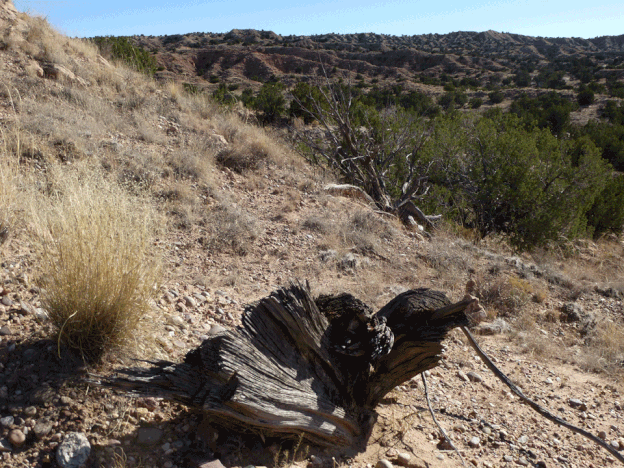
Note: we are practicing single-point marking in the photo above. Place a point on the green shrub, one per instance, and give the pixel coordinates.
(496, 97)
(120, 48)
(503, 178)
(475, 102)
(270, 101)
(585, 97)
(607, 212)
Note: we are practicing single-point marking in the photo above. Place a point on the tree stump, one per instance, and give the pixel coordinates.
(299, 366)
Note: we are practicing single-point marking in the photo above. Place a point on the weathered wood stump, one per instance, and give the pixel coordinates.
(304, 366)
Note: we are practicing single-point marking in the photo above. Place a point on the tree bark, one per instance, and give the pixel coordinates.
(304, 366)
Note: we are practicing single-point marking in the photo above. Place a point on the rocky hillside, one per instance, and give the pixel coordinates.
(247, 56)
(235, 214)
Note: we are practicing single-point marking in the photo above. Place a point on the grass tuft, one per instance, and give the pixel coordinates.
(8, 194)
(97, 266)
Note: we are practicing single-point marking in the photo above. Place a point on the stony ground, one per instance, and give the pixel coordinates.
(44, 396)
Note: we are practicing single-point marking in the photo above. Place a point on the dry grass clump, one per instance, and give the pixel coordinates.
(98, 268)
(11, 149)
(43, 42)
(604, 348)
(229, 228)
(317, 224)
(243, 156)
(506, 294)
(364, 232)
(8, 192)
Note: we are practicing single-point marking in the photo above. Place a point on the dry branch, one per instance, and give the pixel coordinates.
(540, 409)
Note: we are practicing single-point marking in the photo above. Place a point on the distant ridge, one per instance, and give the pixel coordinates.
(248, 57)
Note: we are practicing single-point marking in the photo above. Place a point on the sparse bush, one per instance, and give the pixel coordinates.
(98, 270)
(232, 229)
(243, 156)
(507, 295)
(317, 224)
(604, 344)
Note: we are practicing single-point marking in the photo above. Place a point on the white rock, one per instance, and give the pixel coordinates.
(73, 451)
(383, 463)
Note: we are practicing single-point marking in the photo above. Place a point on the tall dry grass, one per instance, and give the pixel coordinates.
(98, 267)
(10, 151)
(8, 192)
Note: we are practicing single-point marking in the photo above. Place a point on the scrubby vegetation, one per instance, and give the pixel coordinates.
(519, 173)
(121, 48)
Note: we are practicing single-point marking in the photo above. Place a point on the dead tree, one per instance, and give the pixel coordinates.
(380, 153)
(302, 366)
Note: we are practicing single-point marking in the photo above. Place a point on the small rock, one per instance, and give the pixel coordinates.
(42, 428)
(6, 421)
(216, 329)
(177, 321)
(522, 440)
(572, 312)
(190, 302)
(41, 315)
(403, 458)
(440, 456)
(149, 435)
(17, 438)
(212, 464)
(494, 328)
(621, 442)
(5, 446)
(474, 377)
(508, 458)
(391, 453)
(26, 309)
(383, 463)
(65, 400)
(6, 300)
(30, 411)
(522, 461)
(602, 435)
(73, 451)
(577, 404)
(5, 331)
(474, 442)
(462, 376)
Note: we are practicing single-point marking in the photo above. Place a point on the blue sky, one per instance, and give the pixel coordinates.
(571, 18)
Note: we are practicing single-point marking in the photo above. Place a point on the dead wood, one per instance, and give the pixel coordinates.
(300, 366)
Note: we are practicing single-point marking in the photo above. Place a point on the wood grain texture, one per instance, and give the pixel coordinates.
(302, 366)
